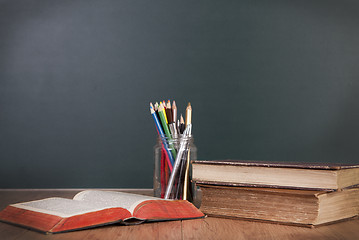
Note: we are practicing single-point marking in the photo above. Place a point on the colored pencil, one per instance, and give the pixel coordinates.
(175, 160)
(181, 125)
(162, 173)
(174, 111)
(163, 108)
(162, 135)
(162, 115)
(169, 112)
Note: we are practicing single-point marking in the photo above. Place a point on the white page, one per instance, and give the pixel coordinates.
(85, 202)
(61, 207)
(111, 199)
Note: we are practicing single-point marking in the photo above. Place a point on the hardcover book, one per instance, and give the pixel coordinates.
(315, 176)
(93, 208)
(286, 206)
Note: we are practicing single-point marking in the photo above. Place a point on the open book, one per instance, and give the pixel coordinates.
(93, 208)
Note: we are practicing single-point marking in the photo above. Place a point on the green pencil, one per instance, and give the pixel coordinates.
(161, 113)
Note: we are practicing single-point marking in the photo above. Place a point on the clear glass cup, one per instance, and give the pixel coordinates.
(165, 153)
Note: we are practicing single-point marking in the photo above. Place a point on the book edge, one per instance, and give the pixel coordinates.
(56, 232)
(249, 163)
(230, 184)
(40, 226)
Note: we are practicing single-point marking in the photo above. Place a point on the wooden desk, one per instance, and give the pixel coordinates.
(208, 228)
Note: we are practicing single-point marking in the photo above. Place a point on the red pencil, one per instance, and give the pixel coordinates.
(163, 177)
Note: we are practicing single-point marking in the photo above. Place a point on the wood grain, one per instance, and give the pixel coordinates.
(221, 228)
(207, 228)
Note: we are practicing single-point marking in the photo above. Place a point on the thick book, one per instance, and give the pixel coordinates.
(315, 176)
(286, 206)
(93, 208)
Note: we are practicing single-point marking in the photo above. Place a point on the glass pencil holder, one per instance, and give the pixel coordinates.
(172, 178)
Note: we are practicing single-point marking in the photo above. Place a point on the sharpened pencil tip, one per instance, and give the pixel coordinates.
(160, 108)
(181, 119)
(168, 104)
(189, 114)
(189, 106)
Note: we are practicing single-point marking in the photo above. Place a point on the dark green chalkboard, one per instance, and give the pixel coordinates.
(268, 80)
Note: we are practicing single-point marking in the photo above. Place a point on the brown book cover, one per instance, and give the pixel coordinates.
(249, 163)
(314, 176)
(93, 208)
(286, 206)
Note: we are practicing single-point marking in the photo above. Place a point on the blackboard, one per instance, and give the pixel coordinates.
(267, 80)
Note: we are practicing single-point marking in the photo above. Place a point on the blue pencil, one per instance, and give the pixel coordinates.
(162, 135)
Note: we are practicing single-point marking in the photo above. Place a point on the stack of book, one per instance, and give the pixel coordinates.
(291, 193)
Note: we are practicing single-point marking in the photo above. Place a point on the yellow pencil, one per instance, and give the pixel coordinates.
(163, 107)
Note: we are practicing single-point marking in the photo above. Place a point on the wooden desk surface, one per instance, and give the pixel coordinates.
(208, 228)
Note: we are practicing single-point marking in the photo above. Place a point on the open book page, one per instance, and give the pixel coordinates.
(109, 199)
(61, 207)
